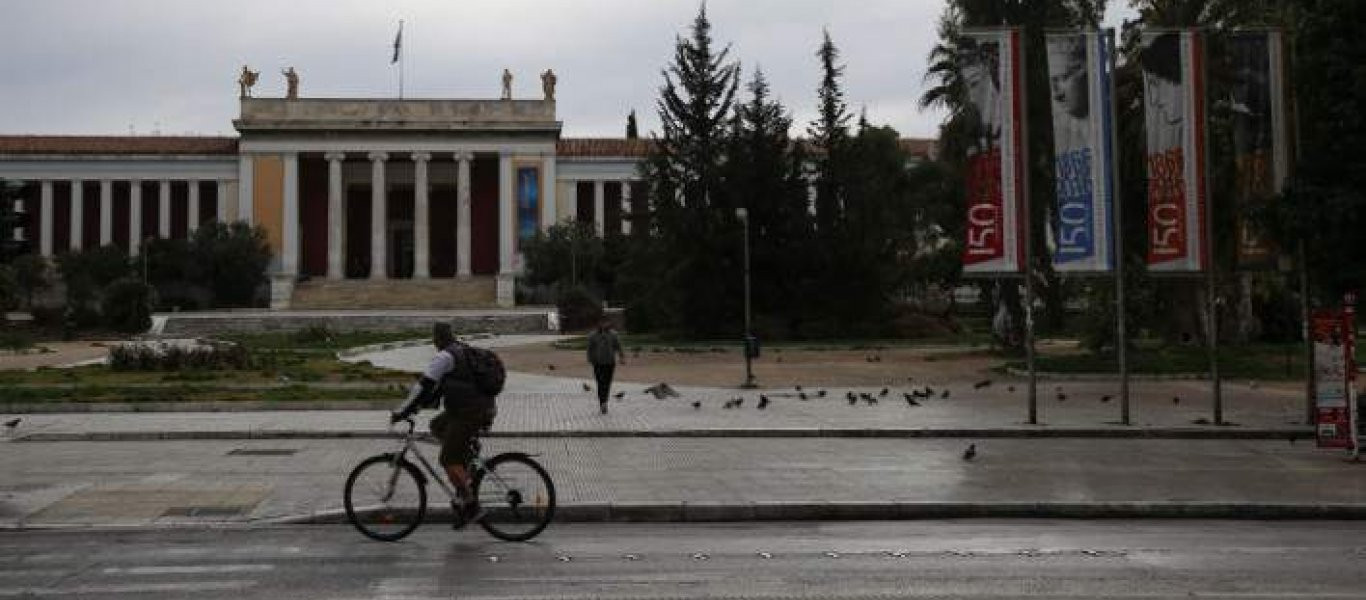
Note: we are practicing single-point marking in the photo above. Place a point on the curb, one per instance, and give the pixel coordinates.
(1074, 433)
(1051, 375)
(689, 512)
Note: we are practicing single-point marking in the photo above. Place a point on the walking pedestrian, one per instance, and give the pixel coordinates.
(604, 353)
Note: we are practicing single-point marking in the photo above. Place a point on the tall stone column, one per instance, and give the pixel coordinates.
(336, 228)
(222, 204)
(573, 202)
(548, 191)
(77, 213)
(600, 208)
(507, 232)
(289, 217)
(422, 229)
(45, 218)
(192, 211)
(134, 217)
(106, 212)
(626, 212)
(463, 215)
(246, 185)
(379, 212)
(164, 212)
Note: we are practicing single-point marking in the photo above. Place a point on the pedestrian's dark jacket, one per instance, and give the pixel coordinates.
(603, 347)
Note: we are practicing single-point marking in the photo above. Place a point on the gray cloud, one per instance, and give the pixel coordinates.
(99, 67)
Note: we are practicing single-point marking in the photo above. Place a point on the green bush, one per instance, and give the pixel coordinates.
(32, 275)
(127, 306)
(148, 357)
(9, 289)
(313, 335)
(578, 308)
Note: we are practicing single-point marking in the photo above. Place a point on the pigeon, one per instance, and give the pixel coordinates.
(981, 384)
(550, 367)
(1061, 396)
(1010, 389)
(910, 379)
(877, 358)
(820, 393)
(763, 401)
(971, 452)
(1176, 400)
(883, 393)
(868, 359)
(929, 391)
(852, 399)
(945, 395)
(799, 388)
(12, 423)
(619, 395)
(1105, 398)
(911, 401)
(587, 388)
(870, 399)
(801, 395)
(738, 402)
(697, 404)
(729, 404)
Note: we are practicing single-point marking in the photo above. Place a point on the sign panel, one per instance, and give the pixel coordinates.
(1260, 148)
(1334, 373)
(1174, 107)
(1081, 85)
(991, 63)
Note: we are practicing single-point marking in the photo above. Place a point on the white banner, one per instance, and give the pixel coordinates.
(1174, 106)
(1080, 87)
(992, 65)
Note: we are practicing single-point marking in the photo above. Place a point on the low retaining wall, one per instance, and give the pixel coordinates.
(208, 324)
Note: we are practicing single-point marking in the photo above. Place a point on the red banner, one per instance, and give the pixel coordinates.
(992, 67)
(1174, 108)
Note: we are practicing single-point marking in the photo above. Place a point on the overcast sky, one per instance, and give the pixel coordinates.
(142, 66)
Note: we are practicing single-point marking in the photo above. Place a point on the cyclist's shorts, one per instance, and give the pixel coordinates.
(456, 428)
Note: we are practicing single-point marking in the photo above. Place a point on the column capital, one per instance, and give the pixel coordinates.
(335, 156)
(378, 156)
(421, 156)
(464, 156)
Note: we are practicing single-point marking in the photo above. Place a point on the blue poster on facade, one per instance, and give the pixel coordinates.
(528, 203)
(1080, 85)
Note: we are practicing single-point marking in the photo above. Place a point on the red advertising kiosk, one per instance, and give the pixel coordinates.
(1334, 376)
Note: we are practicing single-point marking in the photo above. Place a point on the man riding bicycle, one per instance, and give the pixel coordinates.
(467, 412)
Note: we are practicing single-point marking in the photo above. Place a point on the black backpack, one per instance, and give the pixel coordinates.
(479, 366)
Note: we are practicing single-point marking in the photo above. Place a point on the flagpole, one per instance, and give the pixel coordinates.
(399, 50)
(1121, 330)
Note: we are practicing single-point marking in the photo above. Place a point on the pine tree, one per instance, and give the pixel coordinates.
(829, 136)
(670, 278)
(631, 131)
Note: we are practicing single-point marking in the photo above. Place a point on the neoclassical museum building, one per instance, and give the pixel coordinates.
(367, 203)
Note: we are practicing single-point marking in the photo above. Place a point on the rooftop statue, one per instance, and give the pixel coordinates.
(548, 80)
(507, 84)
(246, 80)
(291, 83)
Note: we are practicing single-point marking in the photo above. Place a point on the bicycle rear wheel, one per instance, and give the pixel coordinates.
(517, 496)
(385, 500)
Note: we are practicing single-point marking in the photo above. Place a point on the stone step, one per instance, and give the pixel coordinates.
(398, 294)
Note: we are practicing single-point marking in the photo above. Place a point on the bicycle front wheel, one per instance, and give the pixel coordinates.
(385, 498)
(517, 496)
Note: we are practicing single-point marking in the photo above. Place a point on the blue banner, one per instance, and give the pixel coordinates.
(1080, 83)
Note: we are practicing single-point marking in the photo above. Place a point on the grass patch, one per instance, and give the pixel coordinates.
(1247, 361)
(187, 393)
(657, 344)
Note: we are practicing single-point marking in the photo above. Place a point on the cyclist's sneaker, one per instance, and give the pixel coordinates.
(458, 519)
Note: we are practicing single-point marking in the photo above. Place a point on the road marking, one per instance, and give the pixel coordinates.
(187, 569)
(200, 586)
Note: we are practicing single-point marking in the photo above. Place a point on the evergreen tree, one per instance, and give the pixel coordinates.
(631, 130)
(670, 277)
(829, 136)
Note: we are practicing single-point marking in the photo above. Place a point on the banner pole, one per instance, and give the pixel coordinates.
(1212, 310)
(1028, 216)
(1121, 331)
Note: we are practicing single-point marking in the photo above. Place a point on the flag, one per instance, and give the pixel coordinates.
(992, 65)
(1080, 86)
(398, 44)
(1256, 104)
(1174, 107)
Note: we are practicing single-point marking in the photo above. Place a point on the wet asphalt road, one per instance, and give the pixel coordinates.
(914, 559)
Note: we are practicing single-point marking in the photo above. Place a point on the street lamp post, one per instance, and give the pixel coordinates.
(743, 215)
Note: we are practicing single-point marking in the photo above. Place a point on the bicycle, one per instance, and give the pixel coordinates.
(386, 494)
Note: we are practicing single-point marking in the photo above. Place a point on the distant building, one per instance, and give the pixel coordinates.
(367, 202)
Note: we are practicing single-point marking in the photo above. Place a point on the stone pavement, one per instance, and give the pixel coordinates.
(215, 483)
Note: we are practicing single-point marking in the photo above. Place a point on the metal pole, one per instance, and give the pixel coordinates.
(1121, 331)
(749, 372)
(1309, 409)
(1212, 312)
(1027, 215)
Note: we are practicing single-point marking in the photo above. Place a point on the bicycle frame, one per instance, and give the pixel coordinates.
(410, 447)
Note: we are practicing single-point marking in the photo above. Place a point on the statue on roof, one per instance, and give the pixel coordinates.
(246, 80)
(507, 84)
(548, 80)
(291, 83)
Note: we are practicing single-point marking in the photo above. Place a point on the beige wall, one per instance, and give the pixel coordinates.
(269, 198)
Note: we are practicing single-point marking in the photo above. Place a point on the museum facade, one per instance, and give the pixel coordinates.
(366, 203)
